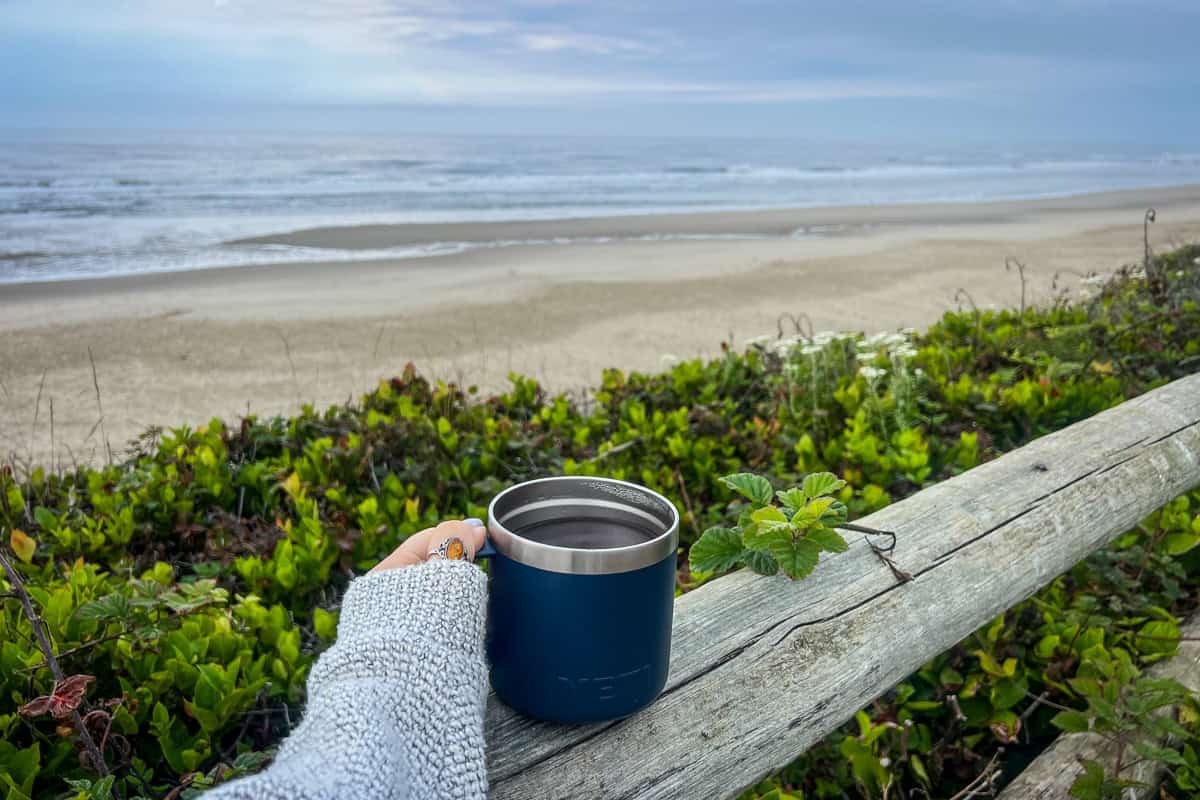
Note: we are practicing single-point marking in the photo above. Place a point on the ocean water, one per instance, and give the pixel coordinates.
(78, 204)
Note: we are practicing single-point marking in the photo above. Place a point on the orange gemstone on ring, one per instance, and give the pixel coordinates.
(455, 549)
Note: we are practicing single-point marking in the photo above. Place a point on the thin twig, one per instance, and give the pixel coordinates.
(111, 716)
(371, 467)
(1041, 700)
(959, 716)
(983, 781)
(612, 451)
(687, 502)
(52, 434)
(884, 554)
(79, 649)
(99, 406)
(37, 404)
(1011, 263)
(378, 338)
(287, 351)
(35, 621)
(1038, 701)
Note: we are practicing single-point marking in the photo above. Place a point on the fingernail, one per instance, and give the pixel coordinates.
(478, 523)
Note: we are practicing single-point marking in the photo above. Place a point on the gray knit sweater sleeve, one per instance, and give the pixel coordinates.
(395, 707)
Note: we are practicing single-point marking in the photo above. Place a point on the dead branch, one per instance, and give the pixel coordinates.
(39, 631)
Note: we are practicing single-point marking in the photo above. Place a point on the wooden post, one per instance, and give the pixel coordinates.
(763, 668)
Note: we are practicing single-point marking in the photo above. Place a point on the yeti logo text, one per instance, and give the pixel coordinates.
(607, 687)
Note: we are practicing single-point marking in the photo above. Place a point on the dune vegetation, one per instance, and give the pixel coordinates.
(183, 591)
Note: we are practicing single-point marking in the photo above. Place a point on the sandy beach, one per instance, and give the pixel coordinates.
(179, 348)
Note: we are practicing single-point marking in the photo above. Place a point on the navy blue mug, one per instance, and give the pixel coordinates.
(581, 595)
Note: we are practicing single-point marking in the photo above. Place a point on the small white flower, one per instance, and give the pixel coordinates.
(894, 339)
(918, 371)
(885, 762)
(758, 341)
(876, 339)
(909, 331)
(1095, 280)
(785, 345)
(1085, 294)
(811, 349)
(1179, 272)
(669, 358)
(825, 337)
(867, 356)
(872, 373)
(905, 351)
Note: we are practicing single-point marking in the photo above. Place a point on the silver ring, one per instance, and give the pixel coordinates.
(451, 548)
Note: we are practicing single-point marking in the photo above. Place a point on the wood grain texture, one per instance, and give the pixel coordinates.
(1050, 775)
(763, 668)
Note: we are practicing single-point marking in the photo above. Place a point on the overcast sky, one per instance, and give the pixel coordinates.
(1102, 70)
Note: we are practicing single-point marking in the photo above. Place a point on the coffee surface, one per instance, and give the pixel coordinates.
(586, 533)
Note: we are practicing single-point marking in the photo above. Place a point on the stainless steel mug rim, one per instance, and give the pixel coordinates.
(578, 560)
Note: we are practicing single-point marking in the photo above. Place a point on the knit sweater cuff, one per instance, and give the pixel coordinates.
(433, 609)
(446, 599)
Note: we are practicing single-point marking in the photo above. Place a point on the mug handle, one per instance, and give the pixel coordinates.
(487, 551)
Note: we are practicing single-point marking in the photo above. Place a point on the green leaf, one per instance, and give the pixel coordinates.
(1179, 543)
(834, 515)
(989, 664)
(769, 514)
(1158, 637)
(19, 767)
(1046, 646)
(798, 559)
(1165, 755)
(754, 488)
(45, 518)
(819, 506)
(918, 768)
(1089, 785)
(1007, 693)
(762, 563)
(210, 686)
(109, 607)
(718, 550)
(793, 499)
(325, 624)
(766, 535)
(821, 483)
(828, 539)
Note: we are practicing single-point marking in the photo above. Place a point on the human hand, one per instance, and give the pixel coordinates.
(420, 547)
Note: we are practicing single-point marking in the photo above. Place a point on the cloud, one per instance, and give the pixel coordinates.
(572, 53)
(582, 43)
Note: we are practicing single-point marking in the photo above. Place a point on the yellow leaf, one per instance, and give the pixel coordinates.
(292, 485)
(22, 545)
(1103, 367)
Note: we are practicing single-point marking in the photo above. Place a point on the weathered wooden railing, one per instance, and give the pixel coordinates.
(761, 668)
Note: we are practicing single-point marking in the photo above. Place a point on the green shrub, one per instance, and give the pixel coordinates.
(197, 581)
